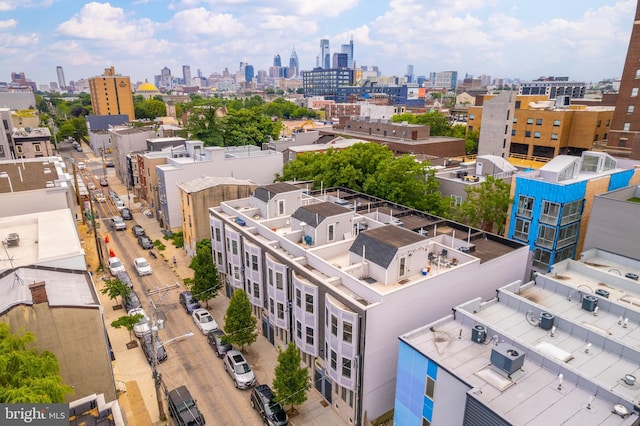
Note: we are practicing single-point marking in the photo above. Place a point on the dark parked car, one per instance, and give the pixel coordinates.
(188, 302)
(110, 164)
(124, 278)
(132, 301)
(145, 242)
(104, 182)
(146, 343)
(215, 341)
(271, 412)
(126, 214)
(183, 407)
(138, 231)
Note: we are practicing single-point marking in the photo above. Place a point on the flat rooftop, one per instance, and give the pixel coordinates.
(30, 174)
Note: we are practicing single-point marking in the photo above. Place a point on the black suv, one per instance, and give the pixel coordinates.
(124, 278)
(132, 301)
(145, 242)
(146, 343)
(271, 412)
(183, 407)
(215, 341)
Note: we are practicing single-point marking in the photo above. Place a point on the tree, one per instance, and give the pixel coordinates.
(128, 322)
(486, 205)
(26, 375)
(204, 124)
(114, 288)
(206, 281)
(291, 381)
(239, 323)
(150, 109)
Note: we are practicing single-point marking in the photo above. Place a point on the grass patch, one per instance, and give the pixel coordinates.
(634, 199)
(158, 245)
(177, 238)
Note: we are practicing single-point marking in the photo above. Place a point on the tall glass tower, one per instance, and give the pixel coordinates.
(293, 62)
(348, 49)
(62, 84)
(277, 62)
(325, 56)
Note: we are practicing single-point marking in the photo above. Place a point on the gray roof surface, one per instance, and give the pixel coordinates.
(267, 192)
(206, 182)
(29, 175)
(315, 214)
(102, 122)
(381, 244)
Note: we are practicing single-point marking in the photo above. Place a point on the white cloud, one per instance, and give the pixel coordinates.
(321, 7)
(194, 22)
(9, 23)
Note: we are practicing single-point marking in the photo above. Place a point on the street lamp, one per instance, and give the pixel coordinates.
(157, 377)
(6, 175)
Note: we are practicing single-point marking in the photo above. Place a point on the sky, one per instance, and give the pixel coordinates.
(585, 40)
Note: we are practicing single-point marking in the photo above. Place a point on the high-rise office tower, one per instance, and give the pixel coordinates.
(165, 78)
(325, 55)
(340, 60)
(111, 94)
(277, 62)
(293, 62)
(61, 82)
(409, 74)
(624, 133)
(186, 75)
(348, 49)
(248, 73)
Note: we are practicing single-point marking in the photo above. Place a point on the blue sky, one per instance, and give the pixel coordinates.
(583, 39)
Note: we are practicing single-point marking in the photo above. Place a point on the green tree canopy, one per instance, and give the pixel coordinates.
(239, 323)
(438, 123)
(486, 205)
(204, 123)
(114, 288)
(206, 282)
(26, 375)
(150, 109)
(128, 322)
(291, 381)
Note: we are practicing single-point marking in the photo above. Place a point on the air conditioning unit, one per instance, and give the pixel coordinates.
(589, 303)
(547, 320)
(506, 358)
(479, 333)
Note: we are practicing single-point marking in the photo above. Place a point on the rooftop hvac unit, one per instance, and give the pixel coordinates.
(602, 292)
(589, 303)
(479, 333)
(547, 320)
(506, 358)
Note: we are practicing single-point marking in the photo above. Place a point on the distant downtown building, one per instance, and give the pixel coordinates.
(111, 94)
(293, 63)
(553, 88)
(61, 81)
(348, 49)
(325, 82)
(186, 75)
(325, 54)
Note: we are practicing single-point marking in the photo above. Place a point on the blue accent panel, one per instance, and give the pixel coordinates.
(427, 409)
(410, 383)
(432, 370)
(620, 180)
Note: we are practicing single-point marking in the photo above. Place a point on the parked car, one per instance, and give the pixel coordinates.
(119, 204)
(114, 196)
(145, 242)
(132, 301)
(271, 412)
(99, 196)
(138, 231)
(126, 214)
(215, 339)
(204, 320)
(79, 148)
(104, 181)
(142, 266)
(239, 369)
(188, 302)
(115, 266)
(110, 164)
(124, 278)
(91, 186)
(118, 223)
(146, 343)
(81, 165)
(183, 407)
(143, 326)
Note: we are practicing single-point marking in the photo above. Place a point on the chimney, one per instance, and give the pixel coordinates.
(38, 292)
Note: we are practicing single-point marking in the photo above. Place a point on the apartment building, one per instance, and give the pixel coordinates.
(552, 205)
(534, 126)
(111, 94)
(343, 274)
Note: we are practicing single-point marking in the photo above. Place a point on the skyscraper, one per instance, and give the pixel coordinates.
(165, 78)
(409, 74)
(248, 73)
(348, 49)
(624, 133)
(61, 82)
(325, 55)
(277, 62)
(340, 60)
(111, 94)
(293, 62)
(186, 75)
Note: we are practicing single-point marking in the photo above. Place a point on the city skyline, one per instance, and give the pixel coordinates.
(585, 40)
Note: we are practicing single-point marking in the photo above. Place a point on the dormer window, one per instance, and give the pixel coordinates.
(402, 267)
(280, 207)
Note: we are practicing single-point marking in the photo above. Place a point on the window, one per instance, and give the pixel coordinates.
(254, 262)
(280, 207)
(270, 277)
(637, 73)
(529, 120)
(331, 232)
(429, 388)
(626, 127)
(234, 247)
(256, 290)
(246, 258)
(279, 280)
(515, 119)
(556, 123)
(518, 104)
(456, 200)
(536, 135)
(634, 92)
(236, 272)
(527, 133)
(538, 121)
(299, 330)
(472, 116)
(506, 129)
(607, 123)
(525, 206)
(298, 298)
(271, 306)
(550, 213)
(521, 231)
(567, 235)
(541, 258)
(248, 286)
(347, 331)
(309, 302)
(334, 362)
(280, 310)
(36, 147)
(218, 236)
(513, 132)
(546, 236)
(346, 368)
(630, 109)
(219, 258)
(599, 123)
(309, 335)
(565, 253)
(554, 136)
(19, 149)
(470, 128)
(334, 325)
(402, 267)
